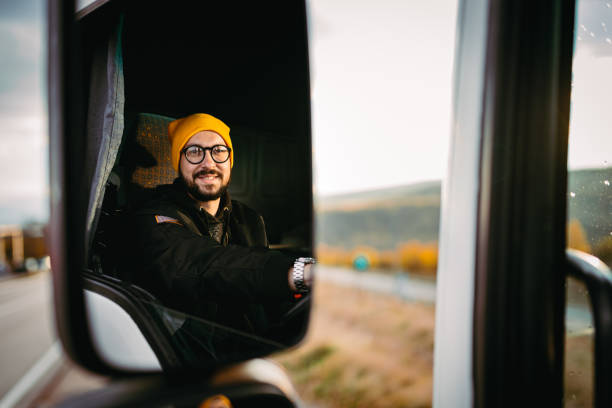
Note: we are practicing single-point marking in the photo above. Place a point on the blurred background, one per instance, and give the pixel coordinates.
(28, 344)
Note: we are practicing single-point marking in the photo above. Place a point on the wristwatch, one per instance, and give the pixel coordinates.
(297, 276)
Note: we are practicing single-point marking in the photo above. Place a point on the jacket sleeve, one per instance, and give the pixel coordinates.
(173, 261)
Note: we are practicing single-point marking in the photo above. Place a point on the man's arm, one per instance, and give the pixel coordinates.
(173, 261)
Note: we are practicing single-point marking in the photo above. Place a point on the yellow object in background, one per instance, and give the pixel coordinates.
(216, 401)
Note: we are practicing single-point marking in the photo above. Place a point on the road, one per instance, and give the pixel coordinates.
(26, 325)
(578, 318)
(403, 285)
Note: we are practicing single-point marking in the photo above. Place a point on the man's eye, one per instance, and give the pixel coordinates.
(194, 151)
(219, 149)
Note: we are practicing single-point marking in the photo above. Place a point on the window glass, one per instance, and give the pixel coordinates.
(579, 347)
(381, 105)
(589, 225)
(590, 146)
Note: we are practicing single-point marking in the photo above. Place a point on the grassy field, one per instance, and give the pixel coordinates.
(364, 350)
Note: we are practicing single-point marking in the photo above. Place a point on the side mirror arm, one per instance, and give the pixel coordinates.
(598, 279)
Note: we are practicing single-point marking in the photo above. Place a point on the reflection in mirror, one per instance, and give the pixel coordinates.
(131, 349)
(198, 178)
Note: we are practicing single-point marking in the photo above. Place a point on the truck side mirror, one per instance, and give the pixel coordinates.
(119, 73)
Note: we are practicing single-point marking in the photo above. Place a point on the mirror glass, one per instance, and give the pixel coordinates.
(197, 180)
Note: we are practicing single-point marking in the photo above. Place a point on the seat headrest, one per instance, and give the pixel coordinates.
(152, 135)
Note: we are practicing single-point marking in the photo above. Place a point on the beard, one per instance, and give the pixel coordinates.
(199, 193)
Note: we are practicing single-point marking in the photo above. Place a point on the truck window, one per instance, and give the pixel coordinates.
(589, 226)
(381, 97)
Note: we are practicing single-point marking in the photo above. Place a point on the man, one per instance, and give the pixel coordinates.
(200, 252)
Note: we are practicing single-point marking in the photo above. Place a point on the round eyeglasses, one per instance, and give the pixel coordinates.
(195, 153)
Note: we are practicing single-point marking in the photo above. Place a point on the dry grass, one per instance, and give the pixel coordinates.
(364, 350)
(579, 369)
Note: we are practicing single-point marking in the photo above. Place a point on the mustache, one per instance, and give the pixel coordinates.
(206, 173)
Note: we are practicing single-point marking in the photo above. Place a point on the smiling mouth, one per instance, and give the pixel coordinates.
(207, 176)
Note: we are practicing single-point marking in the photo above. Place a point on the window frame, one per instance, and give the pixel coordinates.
(512, 99)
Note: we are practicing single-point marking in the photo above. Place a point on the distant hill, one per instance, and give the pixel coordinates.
(426, 193)
(380, 218)
(386, 217)
(590, 202)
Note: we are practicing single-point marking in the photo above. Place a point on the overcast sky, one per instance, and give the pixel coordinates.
(591, 122)
(381, 95)
(381, 92)
(23, 126)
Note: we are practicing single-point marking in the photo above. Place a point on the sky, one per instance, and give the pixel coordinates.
(23, 121)
(381, 92)
(381, 96)
(590, 143)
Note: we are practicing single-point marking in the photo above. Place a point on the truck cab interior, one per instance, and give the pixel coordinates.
(138, 65)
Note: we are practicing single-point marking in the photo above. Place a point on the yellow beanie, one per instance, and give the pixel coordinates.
(181, 130)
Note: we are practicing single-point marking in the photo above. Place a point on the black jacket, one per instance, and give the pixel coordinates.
(171, 254)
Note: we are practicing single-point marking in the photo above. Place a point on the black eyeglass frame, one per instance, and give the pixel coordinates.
(204, 149)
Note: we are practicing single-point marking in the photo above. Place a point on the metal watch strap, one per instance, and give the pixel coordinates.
(297, 275)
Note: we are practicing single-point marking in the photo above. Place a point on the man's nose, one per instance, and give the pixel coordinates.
(208, 160)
